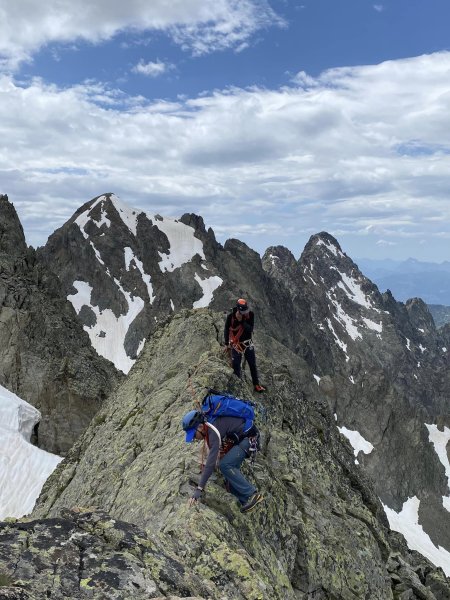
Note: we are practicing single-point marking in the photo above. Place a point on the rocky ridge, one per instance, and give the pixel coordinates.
(383, 367)
(45, 356)
(321, 532)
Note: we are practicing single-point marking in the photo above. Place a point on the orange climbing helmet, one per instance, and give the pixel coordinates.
(242, 305)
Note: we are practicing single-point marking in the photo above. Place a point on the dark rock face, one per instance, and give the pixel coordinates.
(384, 369)
(45, 357)
(440, 314)
(321, 532)
(85, 553)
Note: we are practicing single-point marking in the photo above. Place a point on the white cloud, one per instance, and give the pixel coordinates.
(327, 154)
(152, 69)
(378, 7)
(198, 25)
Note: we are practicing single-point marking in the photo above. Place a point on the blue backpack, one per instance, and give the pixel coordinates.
(220, 404)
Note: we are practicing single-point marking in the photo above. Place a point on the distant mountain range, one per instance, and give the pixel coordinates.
(410, 278)
(413, 279)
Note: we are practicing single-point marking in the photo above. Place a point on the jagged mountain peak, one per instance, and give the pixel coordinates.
(323, 242)
(280, 263)
(279, 255)
(123, 270)
(12, 238)
(420, 315)
(343, 292)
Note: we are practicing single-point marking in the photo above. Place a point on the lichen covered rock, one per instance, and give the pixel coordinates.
(321, 531)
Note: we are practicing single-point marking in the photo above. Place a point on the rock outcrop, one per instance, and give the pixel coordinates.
(45, 356)
(85, 553)
(321, 532)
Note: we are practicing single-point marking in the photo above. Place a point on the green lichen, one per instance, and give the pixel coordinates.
(5, 580)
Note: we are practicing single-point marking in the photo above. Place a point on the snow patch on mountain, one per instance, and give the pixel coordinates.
(358, 443)
(406, 522)
(83, 219)
(108, 334)
(129, 258)
(331, 247)
(24, 468)
(353, 290)
(440, 440)
(128, 215)
(338, 340)
(378, 327)
(345, 319)
(183, 244)
(208, 286)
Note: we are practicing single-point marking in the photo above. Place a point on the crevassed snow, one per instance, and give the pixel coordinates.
(359, 444)
(183, 244)
(406, 522)
(23, 467)
(129, 257)
(108, 334)
(208, 286)
(440, 439)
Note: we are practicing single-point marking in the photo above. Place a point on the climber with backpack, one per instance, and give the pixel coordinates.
(226, 425)
(238, 337)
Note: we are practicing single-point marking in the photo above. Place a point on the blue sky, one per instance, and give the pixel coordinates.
(273, 120)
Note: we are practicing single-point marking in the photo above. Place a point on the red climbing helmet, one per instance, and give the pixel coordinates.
(242, 305)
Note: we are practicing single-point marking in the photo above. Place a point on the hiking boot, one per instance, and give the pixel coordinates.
(259, 388)
(252, 502)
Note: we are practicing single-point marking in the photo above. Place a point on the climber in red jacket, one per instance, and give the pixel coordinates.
(238, 336)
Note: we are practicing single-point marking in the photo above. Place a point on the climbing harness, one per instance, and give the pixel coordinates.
(241, 347)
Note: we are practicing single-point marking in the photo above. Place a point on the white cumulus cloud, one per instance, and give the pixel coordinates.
(152, 69)
(362, 151)
(198, 25)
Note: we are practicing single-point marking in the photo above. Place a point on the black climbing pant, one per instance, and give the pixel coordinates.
(249, 354)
